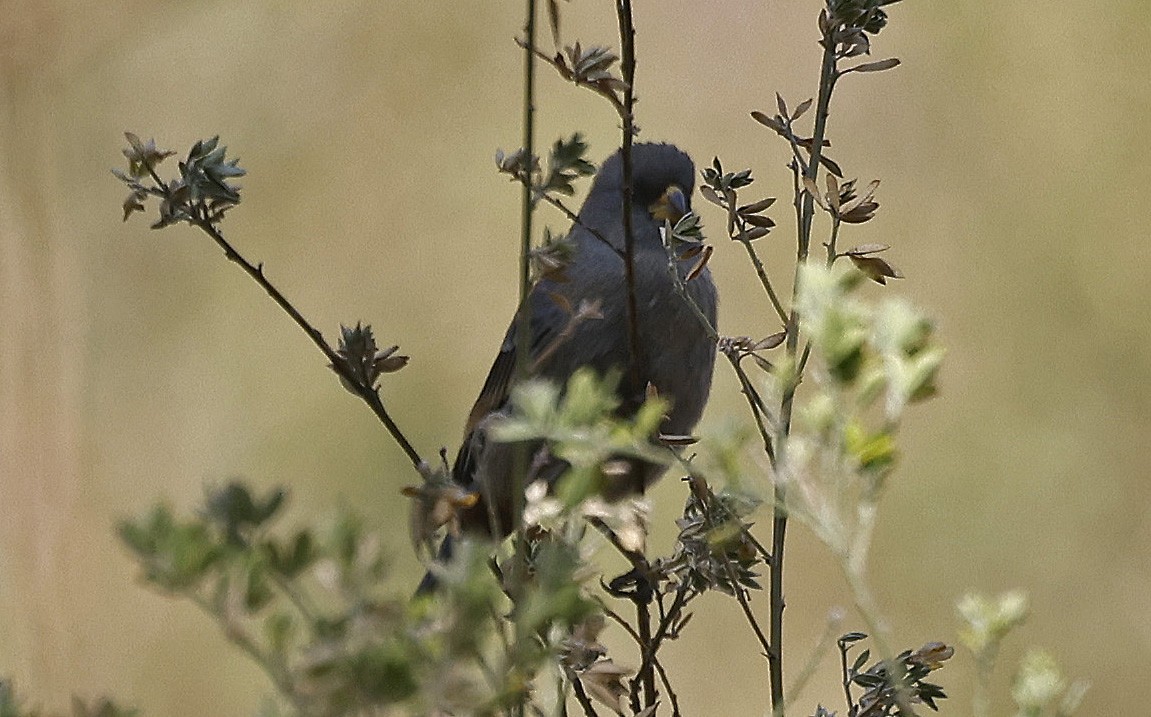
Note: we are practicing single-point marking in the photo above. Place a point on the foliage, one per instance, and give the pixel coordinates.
(317, 613)
(886, 691)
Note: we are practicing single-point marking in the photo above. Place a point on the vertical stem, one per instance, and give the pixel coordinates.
(527, 206)
(627, 115)
(524, 316)
(643, 620)
(833, 244)
(634, 386)
(775, 624)
(827, 77)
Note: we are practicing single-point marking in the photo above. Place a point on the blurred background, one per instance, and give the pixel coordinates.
(137, 366)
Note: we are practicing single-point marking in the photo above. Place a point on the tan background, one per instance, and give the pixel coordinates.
(137, 365)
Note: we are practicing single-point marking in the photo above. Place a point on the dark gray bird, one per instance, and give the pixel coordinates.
(677, 355)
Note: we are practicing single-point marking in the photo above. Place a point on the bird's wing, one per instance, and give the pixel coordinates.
(548, 319)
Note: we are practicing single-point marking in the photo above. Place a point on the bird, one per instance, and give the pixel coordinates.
(677, 353)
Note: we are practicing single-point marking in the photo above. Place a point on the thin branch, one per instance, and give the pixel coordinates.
(627, 115)
(737, 230)
(642, 634)
(523, 316)
(621, 622)
(846, 675)
(803, 358)
(199, 217)
(235, 634)
(298, 599)
(647, 675)
(581, 695)
(680, 285)
(527, 205)
(582, 314)
(738, 590)
(369, 394)
(755, 403)
(704, 494)
(777, 604)
(638, 562)
(667, 686)
(806, 212)
(761, 272)
(827, 77)
(834, 240)
(666, 621)
(565, 72)
(574, 218)
(797, 171)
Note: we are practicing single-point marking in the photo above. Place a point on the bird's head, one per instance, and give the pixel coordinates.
(663, 177)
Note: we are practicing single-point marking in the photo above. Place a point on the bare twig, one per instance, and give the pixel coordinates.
(834, 240)
(236, 634)
(752, 621)
(523, 316)
(627, 116)
(527, 205)
(606, 91)
(845, 676)
(638, 562)
(680, 285)
(618, 619)
(668, 619)
(758, 410)
(563, 208)
(805, 207)
(667, 686)
(200, 216)
(647, 675)
(761, 272)
(369, 394)
(581, 696)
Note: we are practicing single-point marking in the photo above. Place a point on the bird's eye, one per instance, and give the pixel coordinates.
(671, 205)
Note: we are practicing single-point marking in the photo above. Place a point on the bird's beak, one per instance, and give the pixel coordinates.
(671, 206)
